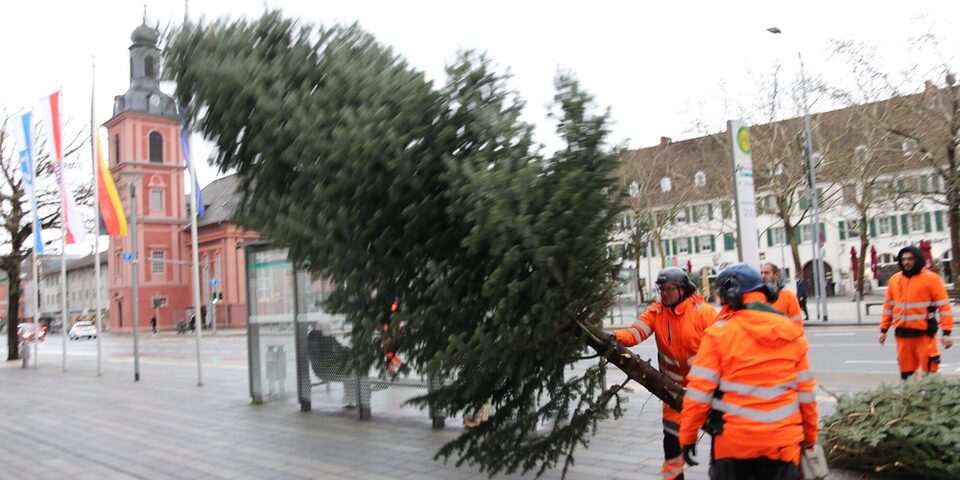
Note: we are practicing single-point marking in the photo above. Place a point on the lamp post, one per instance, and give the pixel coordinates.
(818, 267)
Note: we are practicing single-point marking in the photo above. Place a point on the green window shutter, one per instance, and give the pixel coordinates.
(905, 224)
(696, 244)
(695, 211)
(843, 230)
(713, 243)
(728, 243)
(726, 210)
(938, 218)
(689, 214)
(873, 227)
(893, 224)
(927, 227)
(666, 247)
(769, 237)
(675, 250)
(710, 212)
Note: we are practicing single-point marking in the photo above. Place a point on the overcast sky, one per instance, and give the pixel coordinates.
(661, 68)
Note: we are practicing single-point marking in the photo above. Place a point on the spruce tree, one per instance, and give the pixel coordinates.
(497, 255)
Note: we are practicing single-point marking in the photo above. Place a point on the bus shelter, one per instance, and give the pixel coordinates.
(296, 346)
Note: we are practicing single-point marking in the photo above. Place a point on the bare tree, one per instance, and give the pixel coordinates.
(16, 217)
(925, 123)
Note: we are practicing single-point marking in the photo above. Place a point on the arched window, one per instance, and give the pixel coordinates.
(156, 147)
(150, 66)
(116, 148)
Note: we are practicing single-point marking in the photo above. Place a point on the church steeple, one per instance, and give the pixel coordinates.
(144, 95)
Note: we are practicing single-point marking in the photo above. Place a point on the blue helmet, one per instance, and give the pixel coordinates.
(736, 280)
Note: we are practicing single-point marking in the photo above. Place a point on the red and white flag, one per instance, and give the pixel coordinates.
(72, 224)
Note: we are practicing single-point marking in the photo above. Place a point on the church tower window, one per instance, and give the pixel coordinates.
(156, 147)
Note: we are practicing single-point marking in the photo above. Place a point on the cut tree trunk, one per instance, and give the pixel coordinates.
(638, 369)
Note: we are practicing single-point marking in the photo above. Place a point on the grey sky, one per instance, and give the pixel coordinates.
(659, 67)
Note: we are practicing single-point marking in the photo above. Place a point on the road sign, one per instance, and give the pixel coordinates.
(127, 257)
(213, 281)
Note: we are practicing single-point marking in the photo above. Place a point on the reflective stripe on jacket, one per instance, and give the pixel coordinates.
(909, 302)
(678, 331)
(752, 366)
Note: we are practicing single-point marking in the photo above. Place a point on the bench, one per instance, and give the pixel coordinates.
(327, 358)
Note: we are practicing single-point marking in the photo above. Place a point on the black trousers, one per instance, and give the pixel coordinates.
(671, 448)
(753, 469)
(803, 306)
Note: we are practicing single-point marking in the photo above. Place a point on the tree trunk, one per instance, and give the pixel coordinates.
(636, 368)
(953, 213)
(13, 312)
(659, 245)
(864, 242)
(636, 275)
(790, 230)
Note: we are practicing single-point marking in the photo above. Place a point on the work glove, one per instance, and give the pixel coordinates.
(610, 341)
(689, 451)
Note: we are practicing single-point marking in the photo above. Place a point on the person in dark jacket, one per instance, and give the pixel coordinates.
(802, 296)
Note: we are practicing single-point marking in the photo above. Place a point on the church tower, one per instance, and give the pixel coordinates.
(144, 152)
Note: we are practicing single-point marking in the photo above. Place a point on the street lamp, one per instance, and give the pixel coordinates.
(818, 267)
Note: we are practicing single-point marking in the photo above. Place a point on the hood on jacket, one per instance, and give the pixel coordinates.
(917, 254)
(771, 334)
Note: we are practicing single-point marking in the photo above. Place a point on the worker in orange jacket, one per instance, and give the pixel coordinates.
(752, 379)
(678, 322)
(787, 301)
(913, 295)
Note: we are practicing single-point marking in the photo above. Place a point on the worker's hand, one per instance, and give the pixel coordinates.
(882, 338)
(946, 340)
(689, 451)
(610, 341)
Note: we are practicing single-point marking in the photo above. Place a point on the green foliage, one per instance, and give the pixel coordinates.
(909, 428)
(434, 197)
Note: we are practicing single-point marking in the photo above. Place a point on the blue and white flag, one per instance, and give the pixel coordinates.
(185, 145)
(23, 138)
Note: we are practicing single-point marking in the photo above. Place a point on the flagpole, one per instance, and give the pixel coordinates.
(196, 262)
(63, 281)
(96, 208)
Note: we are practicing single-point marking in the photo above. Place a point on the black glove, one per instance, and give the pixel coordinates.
(688, 453)
(610, 341)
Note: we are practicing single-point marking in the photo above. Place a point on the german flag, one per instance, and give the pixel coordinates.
(111, 210)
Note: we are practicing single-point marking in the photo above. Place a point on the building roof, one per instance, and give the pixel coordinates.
(837, 135)
(50, 264)
(220, 198)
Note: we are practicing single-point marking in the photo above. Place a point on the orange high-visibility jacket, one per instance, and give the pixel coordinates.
(788, 304)
(678, 331)
(752, 366)
(909, 299)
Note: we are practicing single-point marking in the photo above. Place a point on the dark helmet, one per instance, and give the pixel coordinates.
(736, 280)
(678, 277)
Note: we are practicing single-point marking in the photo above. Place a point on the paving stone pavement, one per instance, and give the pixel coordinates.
(77, 425)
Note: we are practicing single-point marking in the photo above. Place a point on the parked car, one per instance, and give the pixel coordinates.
(25, 332)
(83, 329)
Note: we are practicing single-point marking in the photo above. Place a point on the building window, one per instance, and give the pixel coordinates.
(681, 216)
(853, 228)
(706, 243)
(700, 179)
(806, 233)
(156, 200)
(156, 258)
(779, 236)
(683, 245)
(705, 211)
(156, 147)
(150, 66)
(884, 226)
(666, 184)
(916, 222)
(116, 149)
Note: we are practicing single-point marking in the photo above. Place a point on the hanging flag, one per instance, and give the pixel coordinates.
(110, 208)
(72, 224)
(23, 136)
(185, 145)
